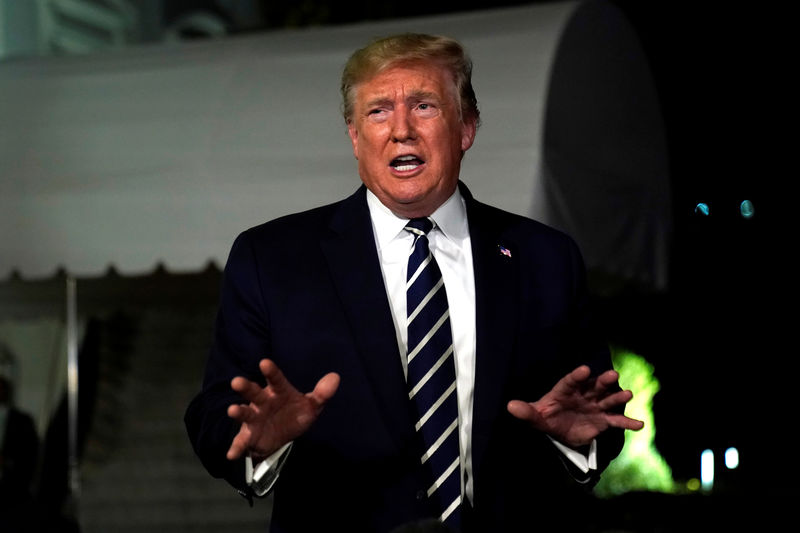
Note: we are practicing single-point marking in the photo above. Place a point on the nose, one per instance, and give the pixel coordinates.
(403, 125)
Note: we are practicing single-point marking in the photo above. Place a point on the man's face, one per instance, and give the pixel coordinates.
(408, 137)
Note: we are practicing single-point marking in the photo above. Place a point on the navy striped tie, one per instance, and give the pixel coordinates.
(432, 374)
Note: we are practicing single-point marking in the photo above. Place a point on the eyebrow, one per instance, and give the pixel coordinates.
(381, 100)
(415, 96)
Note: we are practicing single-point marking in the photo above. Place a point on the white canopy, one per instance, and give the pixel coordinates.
(163, 153)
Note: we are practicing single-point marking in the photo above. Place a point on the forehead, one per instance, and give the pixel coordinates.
(407, 80)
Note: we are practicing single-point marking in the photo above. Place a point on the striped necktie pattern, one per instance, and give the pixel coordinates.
(432, 375)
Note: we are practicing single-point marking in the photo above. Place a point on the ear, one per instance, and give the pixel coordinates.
(469, 127)
(352, 132)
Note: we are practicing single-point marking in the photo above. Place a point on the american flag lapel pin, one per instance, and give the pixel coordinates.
(504, 251)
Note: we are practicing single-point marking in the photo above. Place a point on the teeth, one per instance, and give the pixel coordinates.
(404, 163)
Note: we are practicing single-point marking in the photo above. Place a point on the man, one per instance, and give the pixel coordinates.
(336, 301)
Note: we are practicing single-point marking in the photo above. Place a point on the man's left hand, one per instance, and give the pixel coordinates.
(578, 408)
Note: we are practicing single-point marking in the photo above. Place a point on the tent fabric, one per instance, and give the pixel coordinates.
(161, 154)
(34, 350)
(604, 162)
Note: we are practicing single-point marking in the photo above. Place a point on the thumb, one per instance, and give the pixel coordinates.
(523, 410)
(325, 388)
(323, 391)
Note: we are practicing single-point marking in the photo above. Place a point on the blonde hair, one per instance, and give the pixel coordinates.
(383, 53)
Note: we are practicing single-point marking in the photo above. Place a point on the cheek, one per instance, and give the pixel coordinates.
(372, 150)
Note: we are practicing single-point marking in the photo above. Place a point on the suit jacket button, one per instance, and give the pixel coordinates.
(421, 494)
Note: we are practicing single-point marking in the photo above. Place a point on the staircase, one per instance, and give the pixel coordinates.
(139, 473)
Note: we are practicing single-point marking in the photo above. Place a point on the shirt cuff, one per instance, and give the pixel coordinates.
(584, 463)
(262, 476)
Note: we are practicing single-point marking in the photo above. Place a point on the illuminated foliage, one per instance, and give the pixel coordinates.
(639, 467)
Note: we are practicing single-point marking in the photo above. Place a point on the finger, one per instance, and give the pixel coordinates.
(238, 447)
(325, 388)
(573, 380)
(623, 422)
(523, 411)
(606, 380)
(618, 398)
(602, 385)
(241, 413)
(247, 389)
(323, 391)
(579, 375)
(275, 378)
(239, 444)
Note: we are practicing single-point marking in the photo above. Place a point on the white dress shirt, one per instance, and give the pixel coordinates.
(450, 245)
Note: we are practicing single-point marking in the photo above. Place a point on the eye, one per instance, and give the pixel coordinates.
(426, 109)
(377, 114)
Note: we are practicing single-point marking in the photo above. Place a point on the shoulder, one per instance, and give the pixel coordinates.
(291, 227)
(313, 224)
(296, 237)
(518, 230)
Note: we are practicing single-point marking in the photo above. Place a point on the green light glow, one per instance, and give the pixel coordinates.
(639, 466)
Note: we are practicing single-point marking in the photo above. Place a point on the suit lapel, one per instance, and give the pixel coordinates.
(496, 303)
(366, 307)
(355, 270)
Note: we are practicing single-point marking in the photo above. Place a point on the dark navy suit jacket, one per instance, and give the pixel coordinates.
(306, 290)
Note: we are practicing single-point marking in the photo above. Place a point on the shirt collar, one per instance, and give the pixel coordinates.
(450, 218)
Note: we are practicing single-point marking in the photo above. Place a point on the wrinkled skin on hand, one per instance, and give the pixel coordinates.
(578, 408)
(276, 414)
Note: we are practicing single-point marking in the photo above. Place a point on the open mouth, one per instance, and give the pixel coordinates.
(405, 163)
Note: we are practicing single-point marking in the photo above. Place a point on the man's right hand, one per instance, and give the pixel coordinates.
(276, 414)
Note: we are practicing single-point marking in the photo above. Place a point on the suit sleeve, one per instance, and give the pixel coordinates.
(569, 338)
(583, 344)
(591, 348)
(241, 340)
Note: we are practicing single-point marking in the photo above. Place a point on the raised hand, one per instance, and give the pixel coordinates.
(578, 408)
(275, 414)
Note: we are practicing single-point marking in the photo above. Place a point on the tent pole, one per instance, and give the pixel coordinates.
(72, 384)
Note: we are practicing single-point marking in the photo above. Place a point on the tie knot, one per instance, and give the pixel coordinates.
(419, 226)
